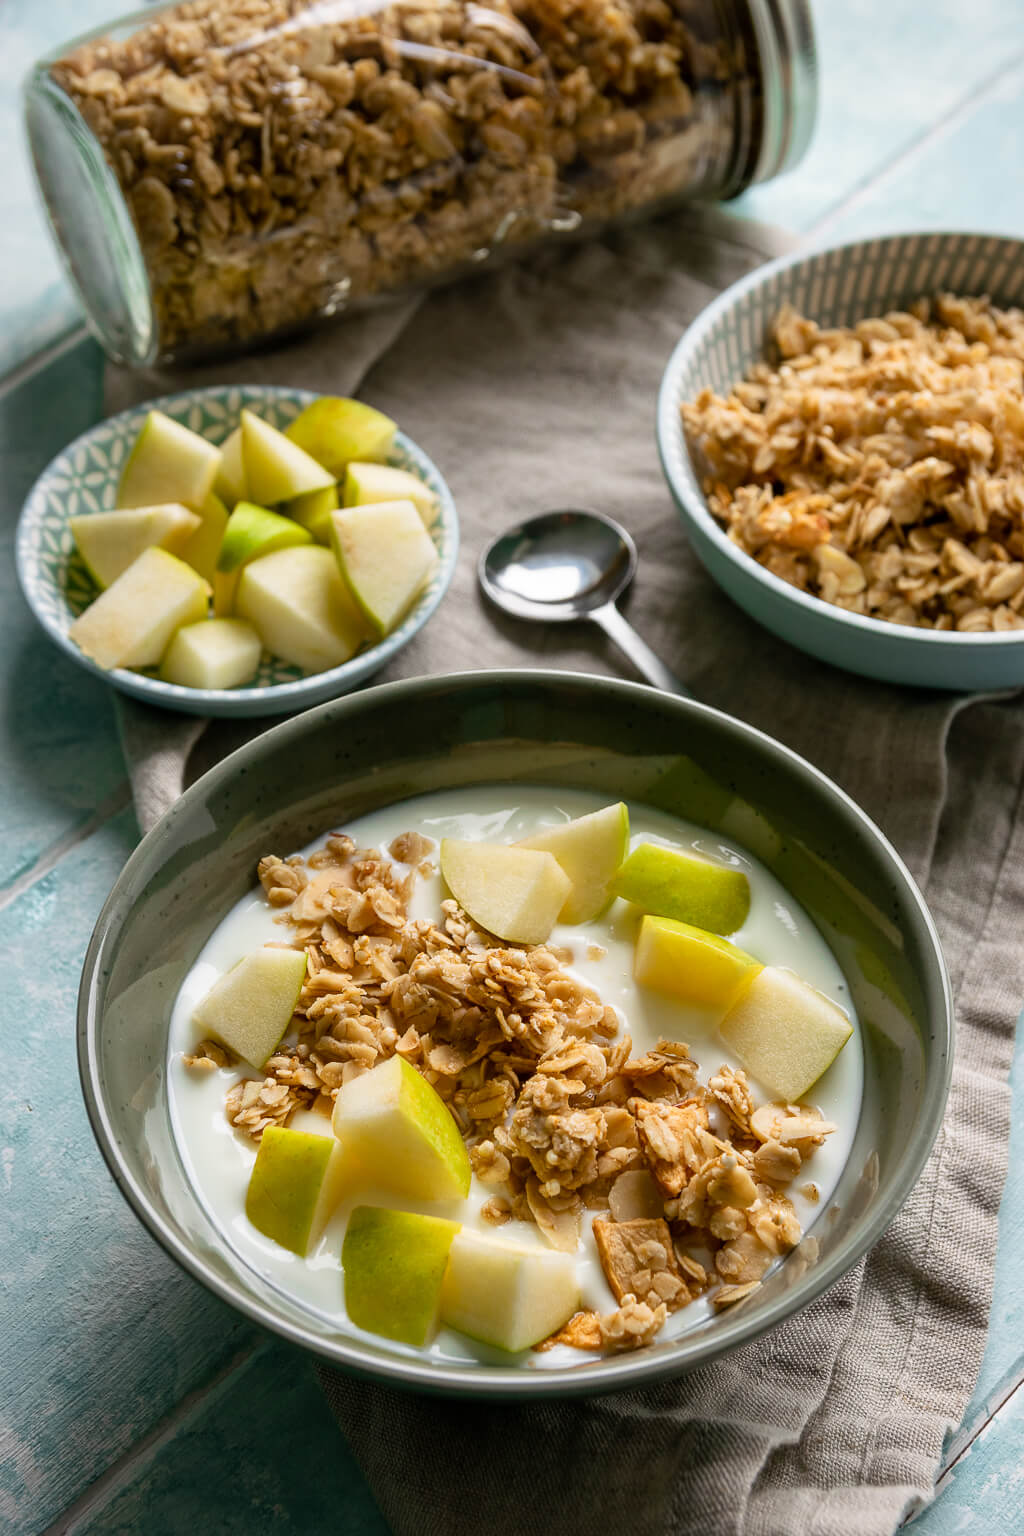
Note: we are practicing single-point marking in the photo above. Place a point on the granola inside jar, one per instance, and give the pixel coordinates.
(224, 171)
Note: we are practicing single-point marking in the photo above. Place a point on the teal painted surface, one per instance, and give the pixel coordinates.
(59, 755)
(36, 302)
(268, 1460)
(890, 75)
(119, 1367)
(967, 175)
(109, 1334)
(984, 1493)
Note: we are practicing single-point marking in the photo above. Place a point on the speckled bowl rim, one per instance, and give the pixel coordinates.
(677, 463)
(276, 698)
(619, 1372)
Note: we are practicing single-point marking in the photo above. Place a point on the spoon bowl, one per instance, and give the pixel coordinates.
(559, 567)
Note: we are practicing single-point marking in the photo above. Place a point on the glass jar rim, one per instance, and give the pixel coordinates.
(91, 223)
(784, 33)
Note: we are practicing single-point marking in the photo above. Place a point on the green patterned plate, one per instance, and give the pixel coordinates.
(837, 286)
(84, 479)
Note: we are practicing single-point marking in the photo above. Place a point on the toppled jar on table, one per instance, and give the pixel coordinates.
(224, 171)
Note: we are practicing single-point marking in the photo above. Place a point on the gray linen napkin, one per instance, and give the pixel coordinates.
(534, 387)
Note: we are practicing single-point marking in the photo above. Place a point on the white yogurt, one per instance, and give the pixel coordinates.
(777, 931)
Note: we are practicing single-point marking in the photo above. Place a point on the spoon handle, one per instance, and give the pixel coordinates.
(650, 666)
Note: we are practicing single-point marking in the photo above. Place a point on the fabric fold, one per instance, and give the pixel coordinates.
(533, 387)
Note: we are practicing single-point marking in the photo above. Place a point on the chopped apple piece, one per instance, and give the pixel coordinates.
(301, 607)
(167, 463)
(691, 964)
(505, 1294)
(515, 893)
(385, 555)
(590, 850)
(253, 531)
(296, 1182)
(230, 484)
(131, 623)
(334, 431)
(203, 547)
(400, 1132)
(314, 510)
(394, 1263)
(670, 883)
(225, 588)
(215, 653)
(785, 1033)
(369, 483)
(276, 469)
(251, 1006)
(313, 1121)
(108, 542)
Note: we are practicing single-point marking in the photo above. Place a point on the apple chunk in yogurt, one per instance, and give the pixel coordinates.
(582, 1116)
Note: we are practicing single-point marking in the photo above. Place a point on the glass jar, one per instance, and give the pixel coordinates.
(223, 171)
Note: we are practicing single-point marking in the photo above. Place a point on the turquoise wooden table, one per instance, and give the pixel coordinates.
(129, 1398)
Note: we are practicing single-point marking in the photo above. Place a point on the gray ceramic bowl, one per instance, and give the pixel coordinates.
(838, 286)
(389, 742)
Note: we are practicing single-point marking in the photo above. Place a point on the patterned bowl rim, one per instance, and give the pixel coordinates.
(278, 698)
(677, 464)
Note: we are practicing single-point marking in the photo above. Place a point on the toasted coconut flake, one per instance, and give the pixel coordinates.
(729, 1295)
(638, 1260)
(582, 1331)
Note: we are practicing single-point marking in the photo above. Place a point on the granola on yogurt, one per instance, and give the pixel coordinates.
(687, 1179)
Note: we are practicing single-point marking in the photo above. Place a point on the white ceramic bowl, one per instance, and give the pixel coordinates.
(836, 287)
(84, 479)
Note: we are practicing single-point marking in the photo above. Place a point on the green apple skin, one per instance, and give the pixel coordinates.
(296, 1182)
(250, 1008)
(369, 483)
(785, 1033)
(300, 607)
(400, 1132)
(515, 893)
(252, 531)
(505, 1294)
(109, 542)
(669, 883)
(394, 1263)
(203, 547)
(276, 469)
(590, 850)
(314, 510)
(691, 964)
(132, 622)
(385, 555)
(334, 431)
(230, 483)
(168, 462)
(215, 653)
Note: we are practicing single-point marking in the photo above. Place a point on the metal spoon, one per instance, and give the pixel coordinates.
(559, 567)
